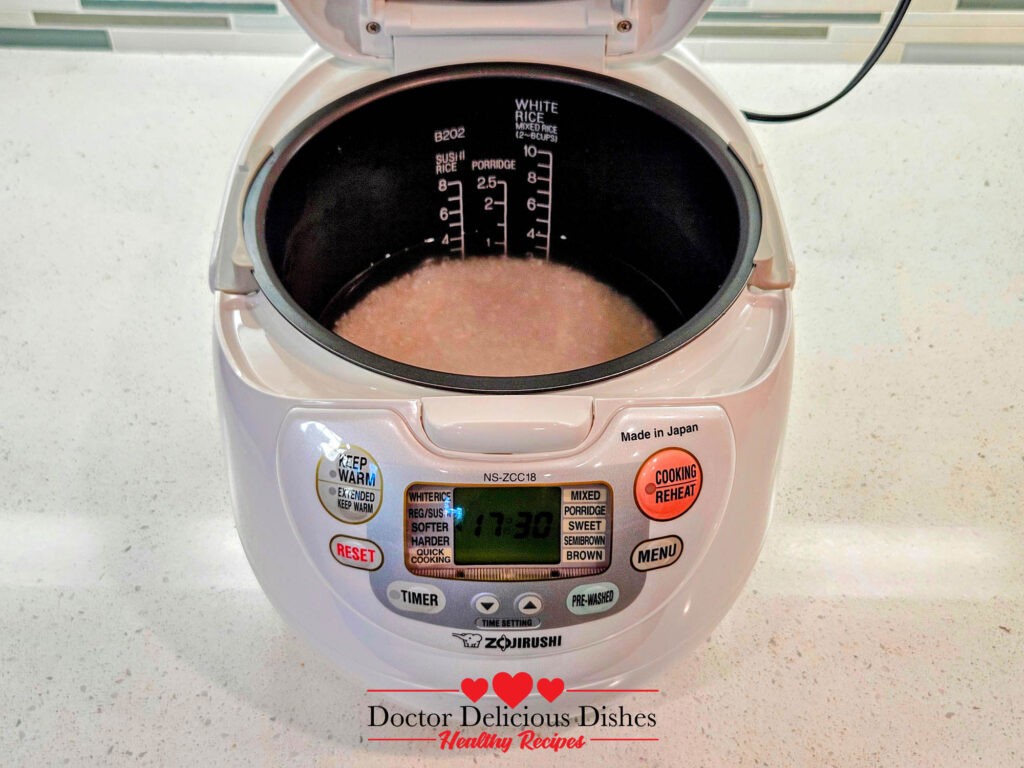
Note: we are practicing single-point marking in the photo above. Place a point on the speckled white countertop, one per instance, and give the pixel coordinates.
(883, 624)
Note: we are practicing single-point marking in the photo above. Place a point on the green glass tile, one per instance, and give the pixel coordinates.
(760, 17)
(54, 38)
(127, 20)
(990, 5)
(737, 30)
(176, 7)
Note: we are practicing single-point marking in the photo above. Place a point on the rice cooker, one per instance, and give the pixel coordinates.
(419, 527)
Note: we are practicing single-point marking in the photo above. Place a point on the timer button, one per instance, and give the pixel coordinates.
(415, 597)
(486, 603)
(668, 483)
(529, 604)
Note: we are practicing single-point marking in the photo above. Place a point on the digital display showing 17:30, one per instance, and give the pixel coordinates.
(507, 525)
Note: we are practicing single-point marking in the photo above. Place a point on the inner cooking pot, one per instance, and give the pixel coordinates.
(509, 159)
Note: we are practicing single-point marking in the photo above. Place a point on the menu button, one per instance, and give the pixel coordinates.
(656, 553)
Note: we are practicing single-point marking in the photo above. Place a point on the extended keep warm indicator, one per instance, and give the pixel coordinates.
(668, 484)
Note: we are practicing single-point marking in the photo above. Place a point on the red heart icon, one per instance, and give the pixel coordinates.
(550, 689)
(512, 690)
(474, 689)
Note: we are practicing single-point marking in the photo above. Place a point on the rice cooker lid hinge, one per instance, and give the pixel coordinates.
(415, 34)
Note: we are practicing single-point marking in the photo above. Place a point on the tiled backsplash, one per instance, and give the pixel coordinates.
(980, 31)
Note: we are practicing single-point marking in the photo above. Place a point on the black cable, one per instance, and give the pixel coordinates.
(876, 54)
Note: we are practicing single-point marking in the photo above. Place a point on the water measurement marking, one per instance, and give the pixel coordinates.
(495, 203)
(539, 203)
(451, 213)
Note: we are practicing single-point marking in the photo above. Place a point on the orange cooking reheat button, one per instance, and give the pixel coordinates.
(668, 483)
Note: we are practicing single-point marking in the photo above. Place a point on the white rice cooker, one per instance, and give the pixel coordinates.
(419, 527)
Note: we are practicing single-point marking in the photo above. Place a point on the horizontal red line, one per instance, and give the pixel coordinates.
(380, 739)
(625, 739)
(567, 690)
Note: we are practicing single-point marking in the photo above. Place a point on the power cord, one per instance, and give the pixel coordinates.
(876, 54)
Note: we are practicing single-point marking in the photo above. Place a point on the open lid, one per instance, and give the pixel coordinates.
(436, 31)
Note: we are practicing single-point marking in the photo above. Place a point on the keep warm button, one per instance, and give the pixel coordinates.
(592, 598)
(668, 484)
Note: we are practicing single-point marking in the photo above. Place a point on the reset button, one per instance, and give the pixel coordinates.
(357, 553)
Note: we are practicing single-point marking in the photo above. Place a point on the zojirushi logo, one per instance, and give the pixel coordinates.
(505, 643)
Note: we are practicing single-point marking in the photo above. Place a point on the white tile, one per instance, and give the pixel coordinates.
(848, 33)
(208, 42)
(795, 51)
(850, 6)
(932, 5)
(961, 19)
(822, 6)
(695, 47)
(16, 19)
(39, 5)
(264, 22)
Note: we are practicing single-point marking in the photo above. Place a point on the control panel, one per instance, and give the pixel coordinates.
(493, 544)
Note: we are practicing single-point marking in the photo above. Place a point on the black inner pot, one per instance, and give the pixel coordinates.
(637, 193)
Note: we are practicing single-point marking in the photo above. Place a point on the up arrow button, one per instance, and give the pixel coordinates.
(529, 604)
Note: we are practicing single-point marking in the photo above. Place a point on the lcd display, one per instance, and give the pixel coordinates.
(507, 526)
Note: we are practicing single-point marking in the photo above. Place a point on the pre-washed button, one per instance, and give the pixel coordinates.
(592, 598)
(357, 553)
(656, 553)
(415, 598)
